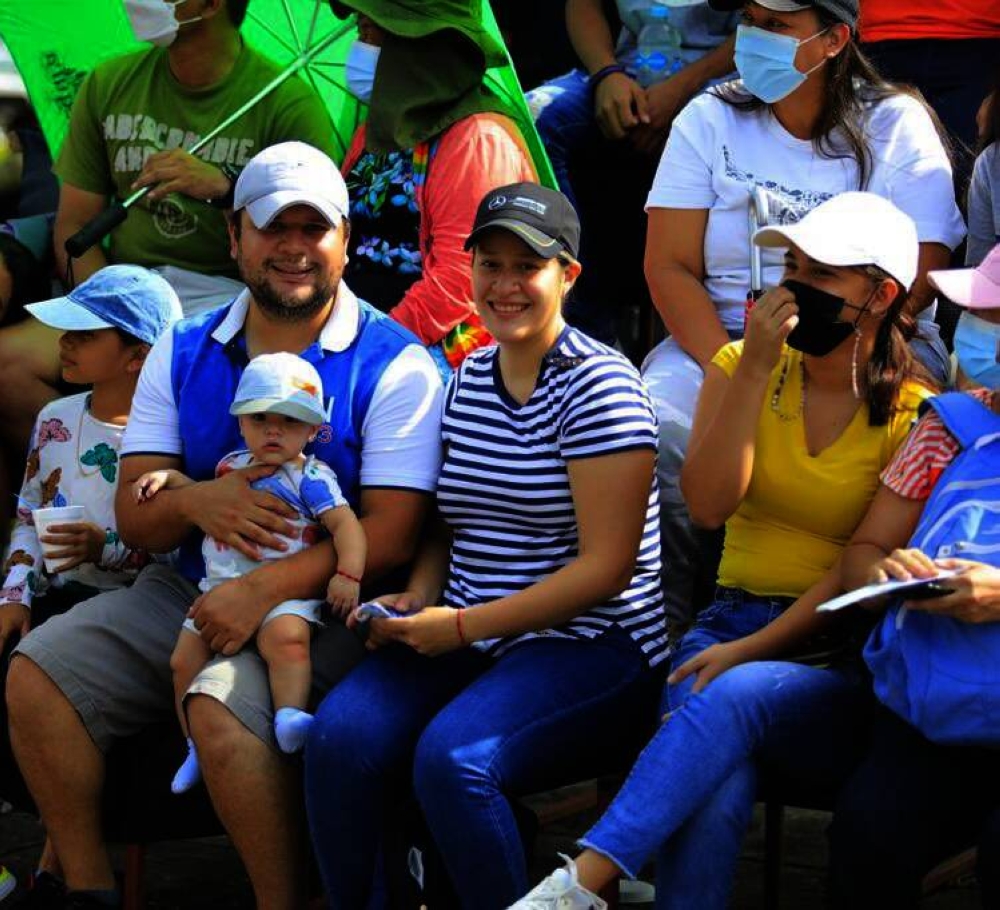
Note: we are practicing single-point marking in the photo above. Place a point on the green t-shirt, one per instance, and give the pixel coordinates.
(130, 107)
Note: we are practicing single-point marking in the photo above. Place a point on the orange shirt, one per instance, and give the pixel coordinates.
(474, 155)
(886, 20)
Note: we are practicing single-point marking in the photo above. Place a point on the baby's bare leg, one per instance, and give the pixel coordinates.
(190, 655)
(284, 644)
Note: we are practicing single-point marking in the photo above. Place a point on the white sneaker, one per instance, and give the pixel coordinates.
(560, 891)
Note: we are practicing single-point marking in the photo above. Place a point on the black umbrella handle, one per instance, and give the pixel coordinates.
(95, 230)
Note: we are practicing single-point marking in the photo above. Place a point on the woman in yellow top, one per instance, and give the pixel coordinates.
(793, 427)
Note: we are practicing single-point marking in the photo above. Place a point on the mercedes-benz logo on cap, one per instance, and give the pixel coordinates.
(497, 202)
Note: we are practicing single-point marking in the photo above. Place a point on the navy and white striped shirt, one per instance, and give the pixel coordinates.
(504, 488)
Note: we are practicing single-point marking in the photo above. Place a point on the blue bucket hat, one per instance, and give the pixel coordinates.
(125, 297)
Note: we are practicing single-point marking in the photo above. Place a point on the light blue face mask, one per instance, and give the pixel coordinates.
(766, 62)
(977, 347)
(359, 70)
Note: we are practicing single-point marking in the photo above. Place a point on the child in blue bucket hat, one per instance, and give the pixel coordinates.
(109, 324)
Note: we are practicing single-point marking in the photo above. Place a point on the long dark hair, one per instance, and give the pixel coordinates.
(853, 86)
(892, 361)
(992, 132)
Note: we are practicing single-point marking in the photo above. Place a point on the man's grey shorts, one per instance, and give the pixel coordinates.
(110, 657)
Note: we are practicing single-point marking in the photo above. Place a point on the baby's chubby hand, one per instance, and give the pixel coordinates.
(342, 594)
(148, 485)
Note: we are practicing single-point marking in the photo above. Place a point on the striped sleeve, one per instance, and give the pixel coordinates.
(918, 464)
(608, 410)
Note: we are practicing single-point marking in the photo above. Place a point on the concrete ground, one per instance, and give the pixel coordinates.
(205, 874)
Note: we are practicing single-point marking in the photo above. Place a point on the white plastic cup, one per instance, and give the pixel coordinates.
(44, 519)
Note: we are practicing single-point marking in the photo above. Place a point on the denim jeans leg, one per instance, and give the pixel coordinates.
(910, 804)
(359, 755)
(699, 747)
(548, 713)
(696, 867)
(733, 614)
(563, 109)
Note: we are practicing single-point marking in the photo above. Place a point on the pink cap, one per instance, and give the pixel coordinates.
(978, 288)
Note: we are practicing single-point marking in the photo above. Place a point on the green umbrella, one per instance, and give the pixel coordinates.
(55, 43)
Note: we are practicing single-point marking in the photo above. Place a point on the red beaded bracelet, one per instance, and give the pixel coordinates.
(349, 577)
(458, 625)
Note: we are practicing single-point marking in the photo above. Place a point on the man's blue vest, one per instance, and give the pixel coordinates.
(204, 376)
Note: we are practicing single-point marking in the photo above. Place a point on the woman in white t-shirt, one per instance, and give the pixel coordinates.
(809, 119)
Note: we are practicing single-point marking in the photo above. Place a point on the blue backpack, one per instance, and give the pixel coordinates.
(938, 673)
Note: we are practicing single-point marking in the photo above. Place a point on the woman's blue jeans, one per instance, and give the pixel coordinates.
(690, 795)
(469, 731)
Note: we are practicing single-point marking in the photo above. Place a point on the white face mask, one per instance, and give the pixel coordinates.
(154, 20)
(359, 70)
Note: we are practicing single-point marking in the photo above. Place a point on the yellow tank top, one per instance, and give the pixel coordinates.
(799, 511)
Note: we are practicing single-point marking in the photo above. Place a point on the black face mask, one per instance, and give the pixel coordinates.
(819, 331)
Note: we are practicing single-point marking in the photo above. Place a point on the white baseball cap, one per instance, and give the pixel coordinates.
(853, 229)
(280, 384)
(286, 174)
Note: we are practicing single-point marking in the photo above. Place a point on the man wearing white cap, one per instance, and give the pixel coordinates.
(80, 689)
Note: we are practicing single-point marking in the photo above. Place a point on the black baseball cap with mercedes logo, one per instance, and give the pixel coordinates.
(543, 218)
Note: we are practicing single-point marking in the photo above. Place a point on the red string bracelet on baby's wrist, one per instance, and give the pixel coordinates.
(458, 626)
(349, 577)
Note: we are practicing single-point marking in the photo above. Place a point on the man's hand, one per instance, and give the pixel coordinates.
(664, 101)
(15, 618)
(710, 663)
(975, 595)
(902, 565)
(75, 543)
(178, 171)
(619, 105)
(230, 511)
(227, 616)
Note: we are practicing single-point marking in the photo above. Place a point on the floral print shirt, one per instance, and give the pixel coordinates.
(73, 460)
(385, 228)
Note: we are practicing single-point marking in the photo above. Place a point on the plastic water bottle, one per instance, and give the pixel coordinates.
(659, 46)
(631, 13)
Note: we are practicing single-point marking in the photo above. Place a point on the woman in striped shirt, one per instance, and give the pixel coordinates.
(534, 617)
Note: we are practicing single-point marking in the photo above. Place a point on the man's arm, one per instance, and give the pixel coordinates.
(666, 99)
(227, 509)
(158, 524)
(76, 208)
(619, 101)
(231, 612)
